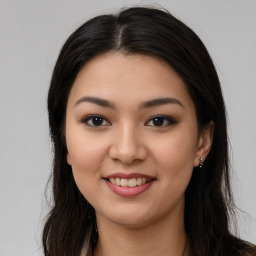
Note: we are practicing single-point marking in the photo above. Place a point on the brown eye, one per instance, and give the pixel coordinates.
(97, 121)
(158, 121)
(161, 121)
(94, 120)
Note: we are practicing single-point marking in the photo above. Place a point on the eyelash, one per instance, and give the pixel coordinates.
(167, 120)
(90, 118)
(164, 121)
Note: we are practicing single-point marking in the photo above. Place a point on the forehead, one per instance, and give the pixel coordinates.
(135, 77)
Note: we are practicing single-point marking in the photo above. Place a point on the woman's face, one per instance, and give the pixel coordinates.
(132, 138)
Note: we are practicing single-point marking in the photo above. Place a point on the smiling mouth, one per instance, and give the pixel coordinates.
(128, 182)
(129, 185)
(132, 182)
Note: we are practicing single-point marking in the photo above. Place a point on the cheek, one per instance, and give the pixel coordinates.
(84, 150)
(86, 157)
(175, 156)
(86, 161)
(83, 155)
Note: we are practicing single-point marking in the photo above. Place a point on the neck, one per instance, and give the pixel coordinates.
(164, 237)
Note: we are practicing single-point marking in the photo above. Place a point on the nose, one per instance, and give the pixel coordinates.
(127, 145)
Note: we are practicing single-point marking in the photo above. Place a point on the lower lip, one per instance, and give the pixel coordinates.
(129, 191)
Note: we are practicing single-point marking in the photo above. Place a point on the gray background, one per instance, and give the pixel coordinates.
(31, 35)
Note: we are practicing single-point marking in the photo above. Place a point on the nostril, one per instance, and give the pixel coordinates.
(127, 154)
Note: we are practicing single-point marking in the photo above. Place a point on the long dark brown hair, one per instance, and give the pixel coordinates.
(70, 225)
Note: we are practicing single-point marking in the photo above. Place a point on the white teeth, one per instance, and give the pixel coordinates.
(124, 182)
(132, 182)
(128, 182)
(139, 181)
(117, 181)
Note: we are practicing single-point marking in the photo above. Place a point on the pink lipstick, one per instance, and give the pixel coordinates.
(129, 185)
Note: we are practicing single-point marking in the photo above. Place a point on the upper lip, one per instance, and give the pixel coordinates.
(128, 176)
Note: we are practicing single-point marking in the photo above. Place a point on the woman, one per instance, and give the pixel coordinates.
(138, 125)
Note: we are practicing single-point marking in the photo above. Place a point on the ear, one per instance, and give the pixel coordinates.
(204, 143)
(69, 159)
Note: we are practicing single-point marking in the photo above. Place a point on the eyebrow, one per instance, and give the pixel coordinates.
(97, 101)
(159, 102)
(147, 104)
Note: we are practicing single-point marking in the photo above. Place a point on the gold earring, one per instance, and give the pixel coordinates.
(201, 162)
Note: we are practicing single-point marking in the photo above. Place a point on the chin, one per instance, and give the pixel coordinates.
(127, 218)
(131, 222)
